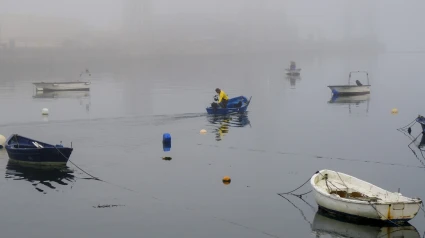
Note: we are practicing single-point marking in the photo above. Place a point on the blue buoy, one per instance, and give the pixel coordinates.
(166, 142)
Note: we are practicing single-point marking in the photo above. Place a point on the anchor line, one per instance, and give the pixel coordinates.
(302, 213)
(93, 177)
(408, 125)
(383, 215)
(291, 192)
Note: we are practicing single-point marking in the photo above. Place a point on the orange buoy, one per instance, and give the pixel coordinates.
(226, 180)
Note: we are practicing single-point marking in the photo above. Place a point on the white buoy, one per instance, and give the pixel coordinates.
(45, 111)
(2, 141)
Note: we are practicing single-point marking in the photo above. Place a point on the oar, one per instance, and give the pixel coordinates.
(248, 101)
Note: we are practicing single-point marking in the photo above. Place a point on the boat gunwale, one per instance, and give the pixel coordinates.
(315, 187)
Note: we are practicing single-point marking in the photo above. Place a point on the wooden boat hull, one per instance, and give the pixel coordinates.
(349, 89)
(398, 209)
(230, 107)
(22, 150)
(63, 86)
(324, 224)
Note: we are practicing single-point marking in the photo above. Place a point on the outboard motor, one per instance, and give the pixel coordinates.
(214, 105)
(358, 83)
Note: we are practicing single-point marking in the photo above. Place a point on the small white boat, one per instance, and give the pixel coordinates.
(328, 227)
(63, 86)
(357, 89)
(346, 195)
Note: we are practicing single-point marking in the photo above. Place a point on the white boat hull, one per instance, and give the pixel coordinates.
(390, 206)
(349, 89)
(63, 86)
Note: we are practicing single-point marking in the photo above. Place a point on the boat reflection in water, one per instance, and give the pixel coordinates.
(62, 94)
(293, 80)
(325, 226)
(41, 177)
(65, 94)
(351, 100)
(223, 122)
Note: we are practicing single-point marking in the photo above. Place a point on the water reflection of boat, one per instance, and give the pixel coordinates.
(350, 100)
(225, 121)
(40, 177)
(62, 94)
(293, 79)
(323, 224)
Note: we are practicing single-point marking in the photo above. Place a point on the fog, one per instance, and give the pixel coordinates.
(212, 26)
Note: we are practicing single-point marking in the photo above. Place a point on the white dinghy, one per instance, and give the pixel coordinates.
(348, 89)
(346, 195)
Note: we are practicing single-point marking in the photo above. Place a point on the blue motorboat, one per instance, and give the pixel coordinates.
(25, 150)
(234, 105)
(421, 120)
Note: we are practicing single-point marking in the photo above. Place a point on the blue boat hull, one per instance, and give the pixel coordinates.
(421, 120)
(23, 150)
(231, 107)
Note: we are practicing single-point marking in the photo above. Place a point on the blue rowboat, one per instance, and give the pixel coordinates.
(25, 150)
(234, 105)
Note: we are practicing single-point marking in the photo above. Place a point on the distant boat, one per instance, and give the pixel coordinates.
(345, 195)
(293, 69)
(326, 226)
(63, 86)
(234, 105)
(357, 89)
(25, 150)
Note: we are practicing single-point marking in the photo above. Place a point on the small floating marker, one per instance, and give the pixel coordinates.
(166, 142)
(45, 111)
(2, 141)
(394, 111)
(203, 131)
(226, 180)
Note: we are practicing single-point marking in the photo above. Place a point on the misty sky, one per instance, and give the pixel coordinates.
(398, 23)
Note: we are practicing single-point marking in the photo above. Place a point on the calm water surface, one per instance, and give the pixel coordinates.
(291, 131)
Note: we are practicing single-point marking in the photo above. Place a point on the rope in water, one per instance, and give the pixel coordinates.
(382, 215)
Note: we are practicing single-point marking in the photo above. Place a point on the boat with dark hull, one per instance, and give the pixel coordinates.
(234, 105)
(29, 151)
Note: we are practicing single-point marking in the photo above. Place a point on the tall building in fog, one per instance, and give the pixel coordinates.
(136, 15)
(360, 20)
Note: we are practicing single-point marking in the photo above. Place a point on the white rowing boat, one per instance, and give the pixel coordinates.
(343, 194)
(63, 86)
(348, 89)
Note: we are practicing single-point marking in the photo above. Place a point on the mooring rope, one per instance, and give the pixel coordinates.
(383, 215)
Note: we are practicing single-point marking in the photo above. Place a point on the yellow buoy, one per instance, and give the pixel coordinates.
(2, 141)
(203, 131)
(394, 111)
(226, 180)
